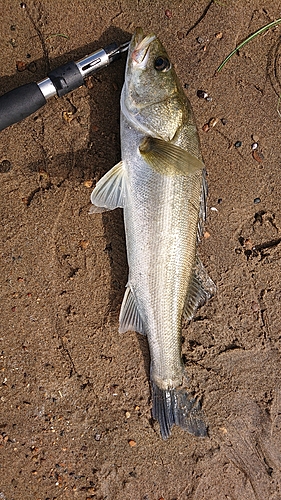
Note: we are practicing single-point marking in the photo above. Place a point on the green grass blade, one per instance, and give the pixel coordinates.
(256, 33)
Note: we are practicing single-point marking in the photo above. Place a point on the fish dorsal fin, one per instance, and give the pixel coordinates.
(129, 318)
(109, 192)
(168, 158)
(200, 290)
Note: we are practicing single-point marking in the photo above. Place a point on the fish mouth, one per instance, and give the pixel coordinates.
(140, 48)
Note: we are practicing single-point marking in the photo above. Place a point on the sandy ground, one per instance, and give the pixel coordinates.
(74, 393)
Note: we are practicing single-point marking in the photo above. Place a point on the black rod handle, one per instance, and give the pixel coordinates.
(20, 103)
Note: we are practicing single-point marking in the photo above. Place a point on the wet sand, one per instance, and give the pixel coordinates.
(75, 418)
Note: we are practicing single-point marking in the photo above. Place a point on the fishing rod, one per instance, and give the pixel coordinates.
(25, 100)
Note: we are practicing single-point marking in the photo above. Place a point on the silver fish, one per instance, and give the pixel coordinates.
(160, 183)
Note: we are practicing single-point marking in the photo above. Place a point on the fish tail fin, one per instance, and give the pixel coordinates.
(177, 407)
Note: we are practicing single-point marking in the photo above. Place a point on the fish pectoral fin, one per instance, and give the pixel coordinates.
(200, 290)
(109, 192)
(129, 318)
(167, 158)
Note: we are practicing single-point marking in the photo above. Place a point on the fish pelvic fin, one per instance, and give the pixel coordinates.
(129, 318)
(176, 407)
(109, 192)
(199, 291)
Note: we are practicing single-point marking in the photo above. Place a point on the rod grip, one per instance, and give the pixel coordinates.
(20, 103)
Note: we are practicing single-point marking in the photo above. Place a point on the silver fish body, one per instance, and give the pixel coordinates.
(160, 184)
(160, 214)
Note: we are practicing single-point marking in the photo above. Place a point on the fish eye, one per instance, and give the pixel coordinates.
(162, 64)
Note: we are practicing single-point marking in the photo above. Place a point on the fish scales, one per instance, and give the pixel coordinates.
(161, 229)
(160, 184)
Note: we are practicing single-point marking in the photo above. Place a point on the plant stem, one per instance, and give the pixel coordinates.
(258, 32)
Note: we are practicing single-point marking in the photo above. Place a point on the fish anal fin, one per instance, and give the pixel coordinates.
(109, 192)
(168, 158)
(200, 290)
(176, 407)
(129, 318)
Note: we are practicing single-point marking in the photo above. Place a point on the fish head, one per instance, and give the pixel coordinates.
(152, 97)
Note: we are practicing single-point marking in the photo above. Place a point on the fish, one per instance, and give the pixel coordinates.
(160, 183)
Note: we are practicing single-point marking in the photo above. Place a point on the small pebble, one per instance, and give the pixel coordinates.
(137, 408)
(132, 443)
(206, 235)
(238, 144)
(23, 5)
(209, 98)
(68, 116)
(206, 127)
(219, 201)
(202, 94)
(168, 13)
(257, 200)
(200, 39)
(90, 490)
(13, 42)
(255, 138)
(248, 244)
(89, 82)
(254, 146)
(127, 414)
(219, 35)
(258, 156)
(213, 122)
(32, 67)
(214, 209)
(21, 65)
(180, 35)
(88, 184)
(5, 166)
(84, 244)
(255, 306)
(224, 121)
(186, 85)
